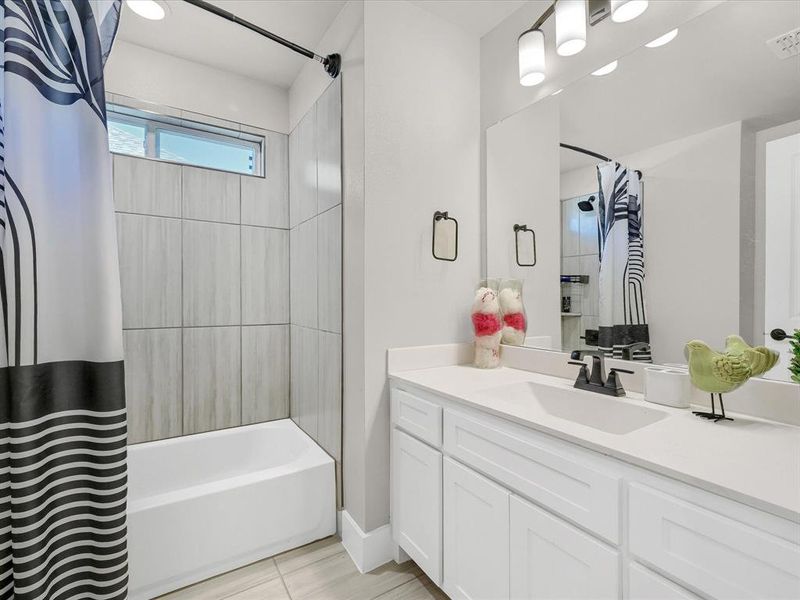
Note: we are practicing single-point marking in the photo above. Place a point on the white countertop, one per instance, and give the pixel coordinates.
(750, 460)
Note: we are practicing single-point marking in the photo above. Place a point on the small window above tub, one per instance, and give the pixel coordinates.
(172, 136)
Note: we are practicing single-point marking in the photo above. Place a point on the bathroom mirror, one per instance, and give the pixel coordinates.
(665, 194)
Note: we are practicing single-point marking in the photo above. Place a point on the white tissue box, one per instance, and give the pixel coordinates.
(670, 387)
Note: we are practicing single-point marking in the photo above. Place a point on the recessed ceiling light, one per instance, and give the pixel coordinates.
(609, 68)
(557, 92)
(627, 10)
(148, 9)
(663, 40)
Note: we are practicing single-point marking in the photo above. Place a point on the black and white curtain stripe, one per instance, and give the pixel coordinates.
(63, 429)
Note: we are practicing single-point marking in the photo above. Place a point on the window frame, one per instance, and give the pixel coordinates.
(152, 122)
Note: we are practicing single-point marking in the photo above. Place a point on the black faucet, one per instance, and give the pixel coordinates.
(627, 351)
(597, 380)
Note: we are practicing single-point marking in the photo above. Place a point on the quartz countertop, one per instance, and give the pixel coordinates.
(749, 460)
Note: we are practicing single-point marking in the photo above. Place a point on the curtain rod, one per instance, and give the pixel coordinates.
(332, 63)
(594, 154)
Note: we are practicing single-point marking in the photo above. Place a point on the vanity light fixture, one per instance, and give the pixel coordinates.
(627, 10)
(531, 57)
(663, 40)
(570, 26)
(609, 68)
(148, 9)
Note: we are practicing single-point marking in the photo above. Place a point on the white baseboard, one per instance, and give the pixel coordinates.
(368, 550)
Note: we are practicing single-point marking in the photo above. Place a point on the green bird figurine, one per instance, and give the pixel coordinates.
(722, 372)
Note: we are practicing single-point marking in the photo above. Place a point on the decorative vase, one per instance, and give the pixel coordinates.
(515, 322)
(488, 328)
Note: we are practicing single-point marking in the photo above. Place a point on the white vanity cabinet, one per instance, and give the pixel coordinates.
(491, 509)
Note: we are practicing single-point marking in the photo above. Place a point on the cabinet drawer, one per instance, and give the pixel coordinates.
(418, 417)
(553, 476)
(552, 559)
(643, 584)
(721, 550)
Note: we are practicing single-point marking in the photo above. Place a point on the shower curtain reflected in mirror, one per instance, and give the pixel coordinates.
(623, 330)
(62, 403)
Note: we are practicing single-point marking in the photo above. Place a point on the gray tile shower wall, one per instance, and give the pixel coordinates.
(204, 266)
(315, 240)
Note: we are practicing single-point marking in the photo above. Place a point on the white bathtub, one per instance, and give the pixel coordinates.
(203, 504)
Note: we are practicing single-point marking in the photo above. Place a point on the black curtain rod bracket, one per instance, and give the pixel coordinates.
(331, 63)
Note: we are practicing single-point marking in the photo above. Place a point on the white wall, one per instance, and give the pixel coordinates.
(691, 234)
(421, 155)
(522, 187)
(156, 77)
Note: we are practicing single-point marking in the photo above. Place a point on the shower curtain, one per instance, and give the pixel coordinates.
(62, 403)
(622, 315)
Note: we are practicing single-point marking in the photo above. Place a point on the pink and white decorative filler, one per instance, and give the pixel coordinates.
(488, 328)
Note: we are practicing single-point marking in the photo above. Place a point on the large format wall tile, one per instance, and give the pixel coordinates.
(303, 273)
(570, 227)
(589, 244)
(211, 283)
(303, 170)
(210, 195)
(265, 276)
(211, 378)
(329, 426)
(329, 147)
(153, 383)
(304, 382)
(329, 269)
(265, 200)
(150, 271)
(265, 373)
(147, 186)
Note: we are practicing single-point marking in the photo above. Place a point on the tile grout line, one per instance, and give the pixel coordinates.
(181, 218)
(283, 581)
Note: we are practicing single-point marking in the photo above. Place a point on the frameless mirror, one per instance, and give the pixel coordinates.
(665, 194)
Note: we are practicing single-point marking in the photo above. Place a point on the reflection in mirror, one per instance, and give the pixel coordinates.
(674, 182)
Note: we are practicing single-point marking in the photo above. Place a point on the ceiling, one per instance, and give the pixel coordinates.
(662, 94)
(478, 17)
(193, 34)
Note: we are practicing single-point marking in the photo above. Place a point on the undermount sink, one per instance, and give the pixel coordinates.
(585, 408)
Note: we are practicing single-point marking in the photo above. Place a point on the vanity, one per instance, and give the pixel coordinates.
(510, 483)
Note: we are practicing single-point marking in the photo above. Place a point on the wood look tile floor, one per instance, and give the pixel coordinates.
(318, 571)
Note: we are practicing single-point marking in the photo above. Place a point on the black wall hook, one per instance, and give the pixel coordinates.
(524, 228)
(443, 216)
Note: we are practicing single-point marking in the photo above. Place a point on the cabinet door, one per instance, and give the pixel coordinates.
(417, 502)
(643, 584)
(475, 535)
(552, 559)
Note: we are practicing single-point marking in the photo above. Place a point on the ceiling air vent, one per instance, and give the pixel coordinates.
(787, 44)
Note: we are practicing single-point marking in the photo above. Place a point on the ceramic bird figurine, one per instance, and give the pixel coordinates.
(722, 372)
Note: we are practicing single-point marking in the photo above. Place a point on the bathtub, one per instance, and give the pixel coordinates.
(204, 504)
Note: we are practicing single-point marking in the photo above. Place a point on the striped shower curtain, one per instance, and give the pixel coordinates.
(62, 402)
(622, 315)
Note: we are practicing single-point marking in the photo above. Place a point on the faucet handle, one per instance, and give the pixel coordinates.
(583, 374)
(613, 381)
